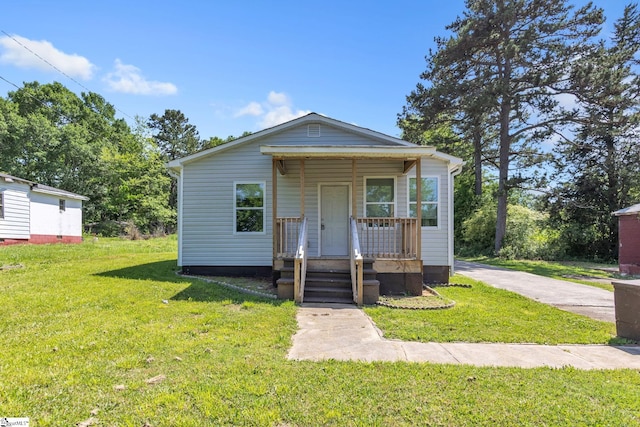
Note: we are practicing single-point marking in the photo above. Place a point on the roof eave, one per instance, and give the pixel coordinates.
(357, 152)
(66, 195)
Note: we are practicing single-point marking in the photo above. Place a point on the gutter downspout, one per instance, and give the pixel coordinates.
(178, 176)
(452, 173)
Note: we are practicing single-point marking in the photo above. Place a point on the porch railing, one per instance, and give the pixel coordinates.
(388, 237)
(287, 236)
(300, 264)
(356, 263)
(395, 238)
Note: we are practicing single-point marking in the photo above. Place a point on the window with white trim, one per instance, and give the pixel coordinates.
(249, 207)
(62, 205)
(380, 197)
(1, 205)
(429, 196)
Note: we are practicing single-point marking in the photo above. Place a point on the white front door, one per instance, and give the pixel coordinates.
(334, 220)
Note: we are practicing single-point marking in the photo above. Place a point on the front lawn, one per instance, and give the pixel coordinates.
(486, 314)
(105, 334)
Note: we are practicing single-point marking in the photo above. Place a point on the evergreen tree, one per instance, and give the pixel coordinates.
(504, 66)
(600, 169)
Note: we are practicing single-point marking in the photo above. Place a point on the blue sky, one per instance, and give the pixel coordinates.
(232, 66)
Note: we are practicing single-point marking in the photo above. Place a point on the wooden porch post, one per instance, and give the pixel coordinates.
(419, 207)
(274, 205)
(354, 202)
(302, 188)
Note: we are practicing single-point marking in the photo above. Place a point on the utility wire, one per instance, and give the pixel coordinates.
(57, 69)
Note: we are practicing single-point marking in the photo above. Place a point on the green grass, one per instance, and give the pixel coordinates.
(486, 314)
(80, 320)
(585, 273)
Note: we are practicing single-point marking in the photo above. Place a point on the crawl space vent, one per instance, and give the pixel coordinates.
(313, 131)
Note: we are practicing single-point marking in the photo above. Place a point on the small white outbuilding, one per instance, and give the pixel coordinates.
(36, 213)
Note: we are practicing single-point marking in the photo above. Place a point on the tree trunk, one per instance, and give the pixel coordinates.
(477, 160)
(503, 175)
(612, 196)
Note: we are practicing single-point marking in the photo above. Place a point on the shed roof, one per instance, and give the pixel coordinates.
(631, 210)
(41, 188)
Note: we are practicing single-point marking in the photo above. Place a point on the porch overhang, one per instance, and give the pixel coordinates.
(282, 152)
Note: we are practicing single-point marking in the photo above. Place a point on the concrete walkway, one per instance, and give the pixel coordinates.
(581, 299)
(344, 332)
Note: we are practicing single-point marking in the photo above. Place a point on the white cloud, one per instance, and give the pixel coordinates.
(129, 79)
(24, 53)
(275, 110)
(281, 114)
(276, 98)
(567, 100)
(252, 109)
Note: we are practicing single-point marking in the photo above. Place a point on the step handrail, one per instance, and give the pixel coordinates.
(300, 264)
(356, 263)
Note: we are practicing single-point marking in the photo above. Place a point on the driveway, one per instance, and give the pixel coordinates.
(581, 299)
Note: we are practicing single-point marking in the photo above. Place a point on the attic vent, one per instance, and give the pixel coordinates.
(313, 131)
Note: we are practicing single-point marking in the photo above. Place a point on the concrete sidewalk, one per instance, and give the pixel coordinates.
(581, 299)
(344, 332)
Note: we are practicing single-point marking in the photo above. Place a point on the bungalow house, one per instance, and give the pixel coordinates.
(36, 213)
(629, 239)
(331, 210)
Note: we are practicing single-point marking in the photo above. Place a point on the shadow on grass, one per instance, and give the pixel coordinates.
(198, 290)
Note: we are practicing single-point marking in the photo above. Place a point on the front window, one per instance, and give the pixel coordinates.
(380, 197)
(429, 196)
(249, 207)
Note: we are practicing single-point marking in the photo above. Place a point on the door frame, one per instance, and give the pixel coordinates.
(349, 198)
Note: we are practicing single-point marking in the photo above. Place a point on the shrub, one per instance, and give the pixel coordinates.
(528, 234)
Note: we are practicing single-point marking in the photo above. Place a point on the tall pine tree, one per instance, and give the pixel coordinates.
(599, 170)
(505, 63)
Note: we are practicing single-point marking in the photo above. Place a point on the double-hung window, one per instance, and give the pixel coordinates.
(429, 196)
(380, 197)
(249, 207)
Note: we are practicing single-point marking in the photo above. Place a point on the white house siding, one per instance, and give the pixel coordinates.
(208, 237)
(48, 220)
(15, 224)
(328, 136)
(208, 199)
(435, 242)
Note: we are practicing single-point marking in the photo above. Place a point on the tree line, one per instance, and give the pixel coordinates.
(542, 106)
(514, 76)
(50, 135)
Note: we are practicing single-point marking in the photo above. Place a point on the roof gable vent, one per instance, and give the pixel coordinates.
(313, 130)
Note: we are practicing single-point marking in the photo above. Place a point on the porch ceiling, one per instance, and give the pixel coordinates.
(347, 152)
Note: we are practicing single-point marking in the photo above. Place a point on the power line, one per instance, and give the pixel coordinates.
(57, 69)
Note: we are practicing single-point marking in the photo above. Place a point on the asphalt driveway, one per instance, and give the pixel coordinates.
(581, 299)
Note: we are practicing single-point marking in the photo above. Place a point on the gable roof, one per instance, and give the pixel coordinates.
(384, 140)
(631, 210)
(41, 188)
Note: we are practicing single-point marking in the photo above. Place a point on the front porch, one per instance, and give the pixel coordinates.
(355, 257)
